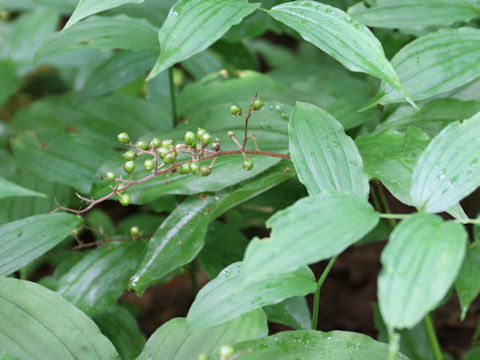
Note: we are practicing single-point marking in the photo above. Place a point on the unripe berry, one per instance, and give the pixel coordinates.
(205, 170)
(123, 138)
(130, 155)
(170, 157)
(226, 350)
(202, 357)
(200, 133)
(230, 134)
(189, 137)
(134, 231)
(142, 144)
(124, 199)
(166, 143)
(258, 104)
(110, 176)
(184, 168)
(162, 152)
(155, 143)
(149, 164)
(194, 167)
(205, 139)
(235, 110)
(248, 164)
(129, 167)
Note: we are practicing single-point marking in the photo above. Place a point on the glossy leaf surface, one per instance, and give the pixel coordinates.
(173, 341)
(39, 324)
(225, 298)
(468, 281)
(293, 312)
(322, 226)
(24, 240)
(419, 265)
(193, 25)
(9, 189)
(324, 156)
(449, 168)
(340, 36)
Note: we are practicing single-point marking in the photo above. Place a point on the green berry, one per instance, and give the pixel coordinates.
(194, 144)
(123, 138)
(247, 164)
(202, 357)
(166, 143)
(129, 167)
(142, 144)
(162, 152)
(170, 157)
(226, 350)
(110, 176)
(230, 134)
(155, 143)
(130, 155)
(189, 137)
(194, 167)
(205, 139)
(124, 199)
(134, 231)
(205, 170)
(200, 133)
(184, 168)
(258, 104)
(235, 110)
(149, 164)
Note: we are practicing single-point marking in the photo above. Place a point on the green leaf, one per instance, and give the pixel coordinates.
(340, 36)
(473, 354)
(24, 240)
(468, 281)
(63, 6)
(449, 168)
(314, 345)
(224, 245)
(39, 324)
(193, 25)
(317, 224)
(224, 298)
(391, 156)
(419, 265)
(414, 14)
(173, 341)
(9, 189)
(324, 156)
(10, 81)
(86, 8)
(102, 33)
(96, 282)
(121, 327)
(293, 312)
(426, 66)
(182, 235)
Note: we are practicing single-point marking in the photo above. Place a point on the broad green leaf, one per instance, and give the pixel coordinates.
(224, 245)
(10, 81)
(324, 156)
(314, 228)
(24, 240)
(314, 345)
(9, 189)
(419, 265)
(193, 25)
(414, 14)
(39, 324)
(468, 280)
(100, 278)
(182, 235)
(426, 66)
(173, 341)
(340, 36)
(86, 8)
(121, 327)
(225, 298)
(102, 33)
(202, 64)
(293, 312)
(155, 11)
(63, 6)
(473, 354)
(449, 168)
(432, 117)
(391, 156)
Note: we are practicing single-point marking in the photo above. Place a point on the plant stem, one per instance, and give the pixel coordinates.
(432, 337)
(316, 297)
(383, 202)
(395, 216)
(172, 96)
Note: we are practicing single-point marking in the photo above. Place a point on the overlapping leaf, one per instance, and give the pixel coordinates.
(468, 281)
(293, 312)
(9, 189)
